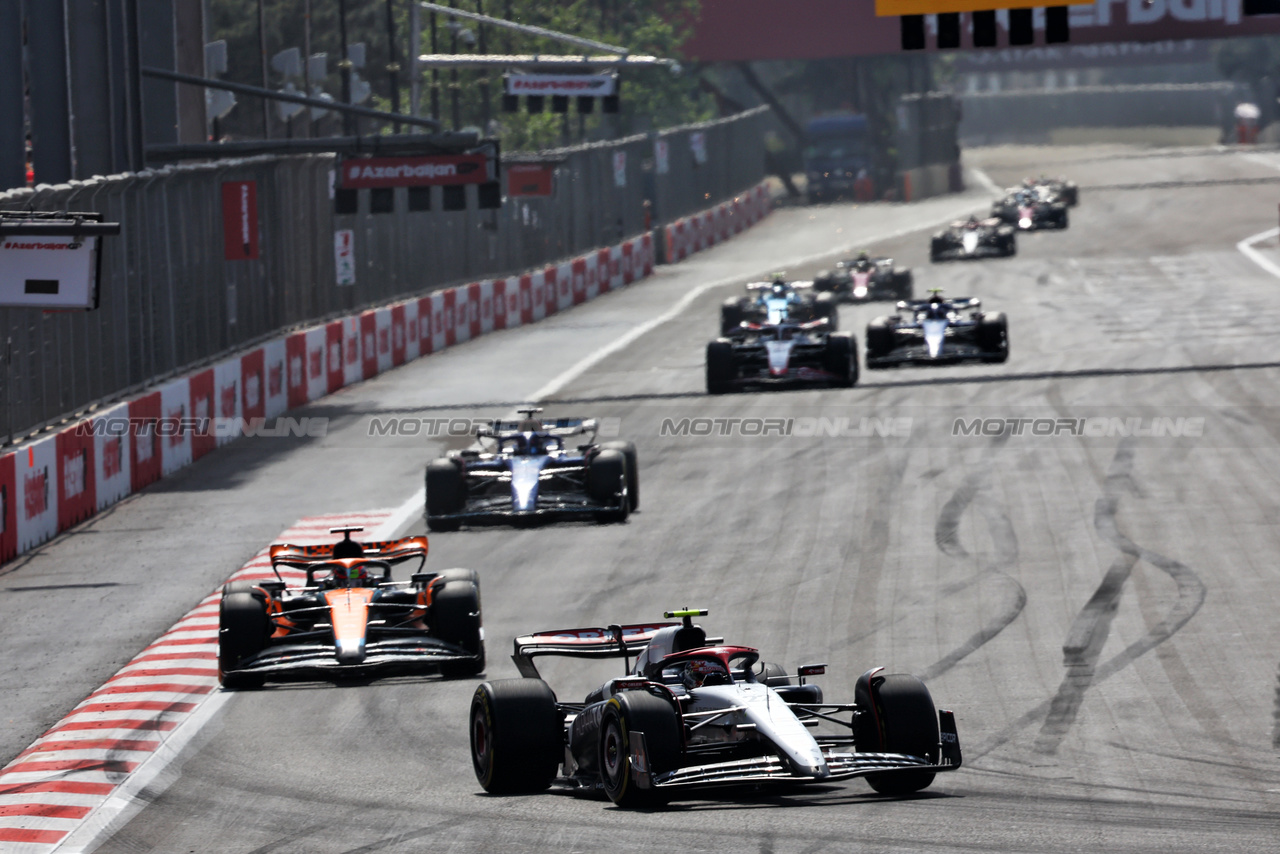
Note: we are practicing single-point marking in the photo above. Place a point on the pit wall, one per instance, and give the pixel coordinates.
(57, 481)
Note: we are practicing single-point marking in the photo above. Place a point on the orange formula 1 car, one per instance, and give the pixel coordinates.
(349, 618)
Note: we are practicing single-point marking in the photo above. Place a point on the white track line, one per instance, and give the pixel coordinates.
(414, 504)
(1246, 248)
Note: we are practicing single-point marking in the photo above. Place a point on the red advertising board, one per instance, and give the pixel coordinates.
(376, 172)
(144, 441)
(751, 30)
(77, 495)
(529, 179)
(240, 220)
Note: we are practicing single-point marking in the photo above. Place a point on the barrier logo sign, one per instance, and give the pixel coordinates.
(344, 256)
(240, 220)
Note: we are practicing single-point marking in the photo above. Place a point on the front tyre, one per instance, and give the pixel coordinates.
(446, 494)
(606, 480)
(841, 359)
(517, 739)
(628, 450)
(635, 712)
(721, 371)
(455, 617)
(243, 629)
(897, 715)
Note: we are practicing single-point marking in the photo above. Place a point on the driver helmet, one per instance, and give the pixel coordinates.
(863, 257)
(356, 575)
(778, 288)
(701, 671)
(937, 307)
(972, 223)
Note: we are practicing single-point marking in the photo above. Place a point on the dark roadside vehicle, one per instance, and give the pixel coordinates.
(348, 618)
(864, 279)
(973, 238)
(532, 471)
(937, 331)
(696, 714)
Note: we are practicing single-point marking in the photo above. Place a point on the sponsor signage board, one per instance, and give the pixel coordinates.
(593, 85)
(424, 171)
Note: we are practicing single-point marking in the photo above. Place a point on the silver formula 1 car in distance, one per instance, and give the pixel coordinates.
(694, 714)
(530, 471)
(973, 238)
(937, 331)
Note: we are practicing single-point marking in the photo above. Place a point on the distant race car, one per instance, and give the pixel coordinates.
(783, 353)
(349, 618)
(1031, 209)
(937, 331)
(1063, 189)
(694, 713)
(531, 471)
(776, 301)
(973, 238)
(865, 278)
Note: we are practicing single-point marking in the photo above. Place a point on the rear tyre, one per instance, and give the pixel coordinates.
(904, 284)
(936, 249)
(902, 719)
(627, 713)
(446, 494)
(1010, 246)
(993, 336)
(825, 305)
(721, 371)
(455, 617)
(243, 629)
(731, 314)
(628, 450)
(1062, 218)
(606, 477)
(879, 337)
(841, 358)
(517, 739)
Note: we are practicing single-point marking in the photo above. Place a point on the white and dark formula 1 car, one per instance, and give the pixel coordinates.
(1031, 209)
(786, 353)
(777, 301)
(865, 278)
(937, 331)
(973, 238)
(1061, 188)
(693, 714)
(530, 471)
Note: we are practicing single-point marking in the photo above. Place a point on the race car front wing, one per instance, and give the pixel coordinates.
(311, 660)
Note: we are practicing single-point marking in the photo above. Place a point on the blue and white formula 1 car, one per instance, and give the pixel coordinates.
(528, 471)
(937, 331)
(694, 713)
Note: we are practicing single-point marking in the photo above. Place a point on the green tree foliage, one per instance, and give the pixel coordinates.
(651, 98)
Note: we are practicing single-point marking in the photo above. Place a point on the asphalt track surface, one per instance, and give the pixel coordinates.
(1098, 609)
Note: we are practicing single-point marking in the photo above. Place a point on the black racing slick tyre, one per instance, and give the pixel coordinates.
(243, 629)
(636, 712)
(896, 715)
(446, 494)
(841, 358)
(721, 371)
(879, 337)
(731, 314)
(455, 617)
(606, 477)
(244, 586)
(903, 284)
(992, 336)
(1010, 246)
(517, 735)
(826, 305)
(628, 450)
(937, 249)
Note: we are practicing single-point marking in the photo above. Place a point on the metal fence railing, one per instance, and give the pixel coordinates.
(170, 300)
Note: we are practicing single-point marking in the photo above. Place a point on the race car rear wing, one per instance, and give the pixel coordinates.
(556, 427)
(389, 551)
(611, 642)
(959, 304)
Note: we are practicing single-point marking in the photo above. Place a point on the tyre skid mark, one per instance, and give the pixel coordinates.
(973, 492)
(1088, 631)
